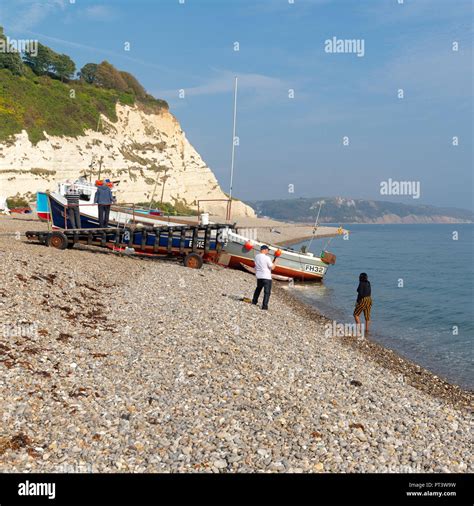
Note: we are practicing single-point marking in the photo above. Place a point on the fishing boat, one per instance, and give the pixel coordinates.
(238, 252)
(193, 243)
(52, 207)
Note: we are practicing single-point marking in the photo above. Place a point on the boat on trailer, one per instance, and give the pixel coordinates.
(192, 243)
(158, 236)
(50, 206)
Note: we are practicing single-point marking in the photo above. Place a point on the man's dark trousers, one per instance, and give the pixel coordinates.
(104, 211)
(74, 216)
(266, 284)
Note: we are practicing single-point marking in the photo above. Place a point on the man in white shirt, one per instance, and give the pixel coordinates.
(263, 271)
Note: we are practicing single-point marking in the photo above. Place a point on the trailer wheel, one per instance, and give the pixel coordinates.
(193, 261)
(57, 240)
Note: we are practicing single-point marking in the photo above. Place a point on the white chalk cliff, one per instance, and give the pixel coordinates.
(148, 153)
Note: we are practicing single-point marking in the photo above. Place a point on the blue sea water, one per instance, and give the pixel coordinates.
(430, 319)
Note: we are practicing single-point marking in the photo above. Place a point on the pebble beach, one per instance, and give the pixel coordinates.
(112, 363)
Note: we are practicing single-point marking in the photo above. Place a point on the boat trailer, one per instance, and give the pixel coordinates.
(193, 244)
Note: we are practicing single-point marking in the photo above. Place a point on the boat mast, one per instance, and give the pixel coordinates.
(316, 223)
(233, 151)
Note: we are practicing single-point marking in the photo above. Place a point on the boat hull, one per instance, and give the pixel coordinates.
(53, 206)
(148, 242)
(277, 277)
(291, 264)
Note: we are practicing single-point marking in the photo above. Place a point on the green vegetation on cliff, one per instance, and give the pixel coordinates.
(37, 94)
(40, 104)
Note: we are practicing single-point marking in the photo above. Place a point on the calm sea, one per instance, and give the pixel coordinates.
(422, 290)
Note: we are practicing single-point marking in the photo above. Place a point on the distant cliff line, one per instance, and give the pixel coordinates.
(353, 211)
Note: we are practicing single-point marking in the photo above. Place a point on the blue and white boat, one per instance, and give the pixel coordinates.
(52, 206)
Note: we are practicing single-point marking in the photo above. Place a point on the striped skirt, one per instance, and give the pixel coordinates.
(365, 305)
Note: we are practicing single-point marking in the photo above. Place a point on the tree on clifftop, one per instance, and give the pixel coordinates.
(133, 85)
(109, 77)
(40, 61)
(106, 75)
(64, 67)
(89, 73)
(9, 58)
(45, 61)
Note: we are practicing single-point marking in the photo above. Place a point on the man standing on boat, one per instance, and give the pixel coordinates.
(263, 271)
(72, 198)
(104, 198)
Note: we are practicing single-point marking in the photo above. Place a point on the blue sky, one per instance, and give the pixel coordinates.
(292, 141)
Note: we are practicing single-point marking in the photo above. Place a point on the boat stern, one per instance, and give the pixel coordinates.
(42, 206)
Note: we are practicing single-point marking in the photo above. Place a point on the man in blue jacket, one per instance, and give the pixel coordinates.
(104, 198)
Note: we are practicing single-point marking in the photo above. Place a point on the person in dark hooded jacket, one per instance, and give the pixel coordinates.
(364, 300)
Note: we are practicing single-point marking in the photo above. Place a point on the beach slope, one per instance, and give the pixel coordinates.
(116, 364)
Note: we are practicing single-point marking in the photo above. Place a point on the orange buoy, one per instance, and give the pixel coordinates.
(278, 252)
(248, 245)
